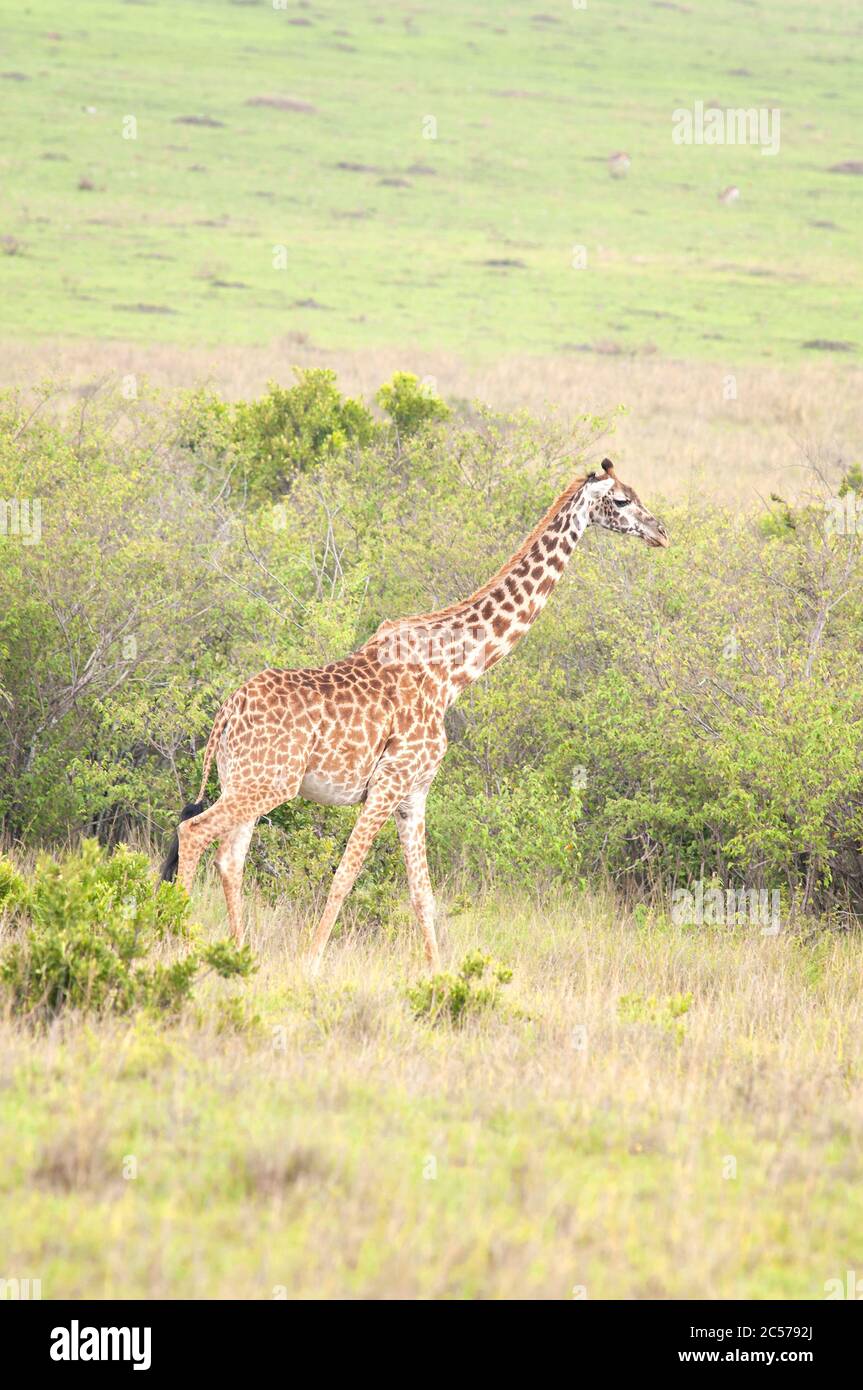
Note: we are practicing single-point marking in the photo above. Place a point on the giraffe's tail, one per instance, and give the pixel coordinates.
(194, 808)
(172, 858)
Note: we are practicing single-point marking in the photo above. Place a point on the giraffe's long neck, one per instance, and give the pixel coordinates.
(456, 645)
(486, 626)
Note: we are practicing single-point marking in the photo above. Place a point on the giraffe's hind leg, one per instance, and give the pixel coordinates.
(229, 861)
(232, 821)
(197, 833)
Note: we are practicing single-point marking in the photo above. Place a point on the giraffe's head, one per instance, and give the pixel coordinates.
(616, 507)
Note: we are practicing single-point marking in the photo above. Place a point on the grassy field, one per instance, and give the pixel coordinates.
(304, 128)
(337, 1146)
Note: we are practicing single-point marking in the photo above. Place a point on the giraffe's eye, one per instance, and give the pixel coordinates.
(621, 501)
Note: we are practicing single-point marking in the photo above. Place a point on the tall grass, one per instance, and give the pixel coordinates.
(700, 1139)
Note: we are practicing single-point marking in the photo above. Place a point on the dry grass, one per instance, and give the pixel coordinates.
(679, 435)
(328, 1144)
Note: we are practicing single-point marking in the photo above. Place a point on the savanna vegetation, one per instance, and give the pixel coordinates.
(693, 715)
(676, 717)
(389, 300)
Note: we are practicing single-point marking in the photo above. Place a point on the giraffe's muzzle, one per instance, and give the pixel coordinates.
(657, 537)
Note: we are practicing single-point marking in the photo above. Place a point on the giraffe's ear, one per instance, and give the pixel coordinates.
(590, 477)
(608, 465)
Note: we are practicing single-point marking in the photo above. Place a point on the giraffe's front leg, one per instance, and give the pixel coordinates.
(410, 823)
(380, 804)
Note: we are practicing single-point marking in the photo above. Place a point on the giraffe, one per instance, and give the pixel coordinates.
(369, 728)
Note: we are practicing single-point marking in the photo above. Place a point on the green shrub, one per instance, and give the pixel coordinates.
(87, 929)
(112, 639)
(709, 696)
(297, 850)
(293, 429)
(233, 1015)
(474, 991)
(660, 1013)
(205, 427)
(522, 832)
(409, 404)
(852, 481)
(13, 887)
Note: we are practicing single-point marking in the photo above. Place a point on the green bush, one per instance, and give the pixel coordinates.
(293, 429)
(721, 724)
(665, 1014)
(86, 928)
(298, 847)
(521, 831)
(13, 887)
(410, 405)
(113, 627)
(475, 990)
(690, 714)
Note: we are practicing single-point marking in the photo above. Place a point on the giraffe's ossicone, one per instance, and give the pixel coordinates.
(370, 727)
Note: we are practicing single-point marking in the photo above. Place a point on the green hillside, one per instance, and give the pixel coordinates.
(464, 241)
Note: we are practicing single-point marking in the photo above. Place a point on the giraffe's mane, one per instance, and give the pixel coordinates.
(539, 529)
